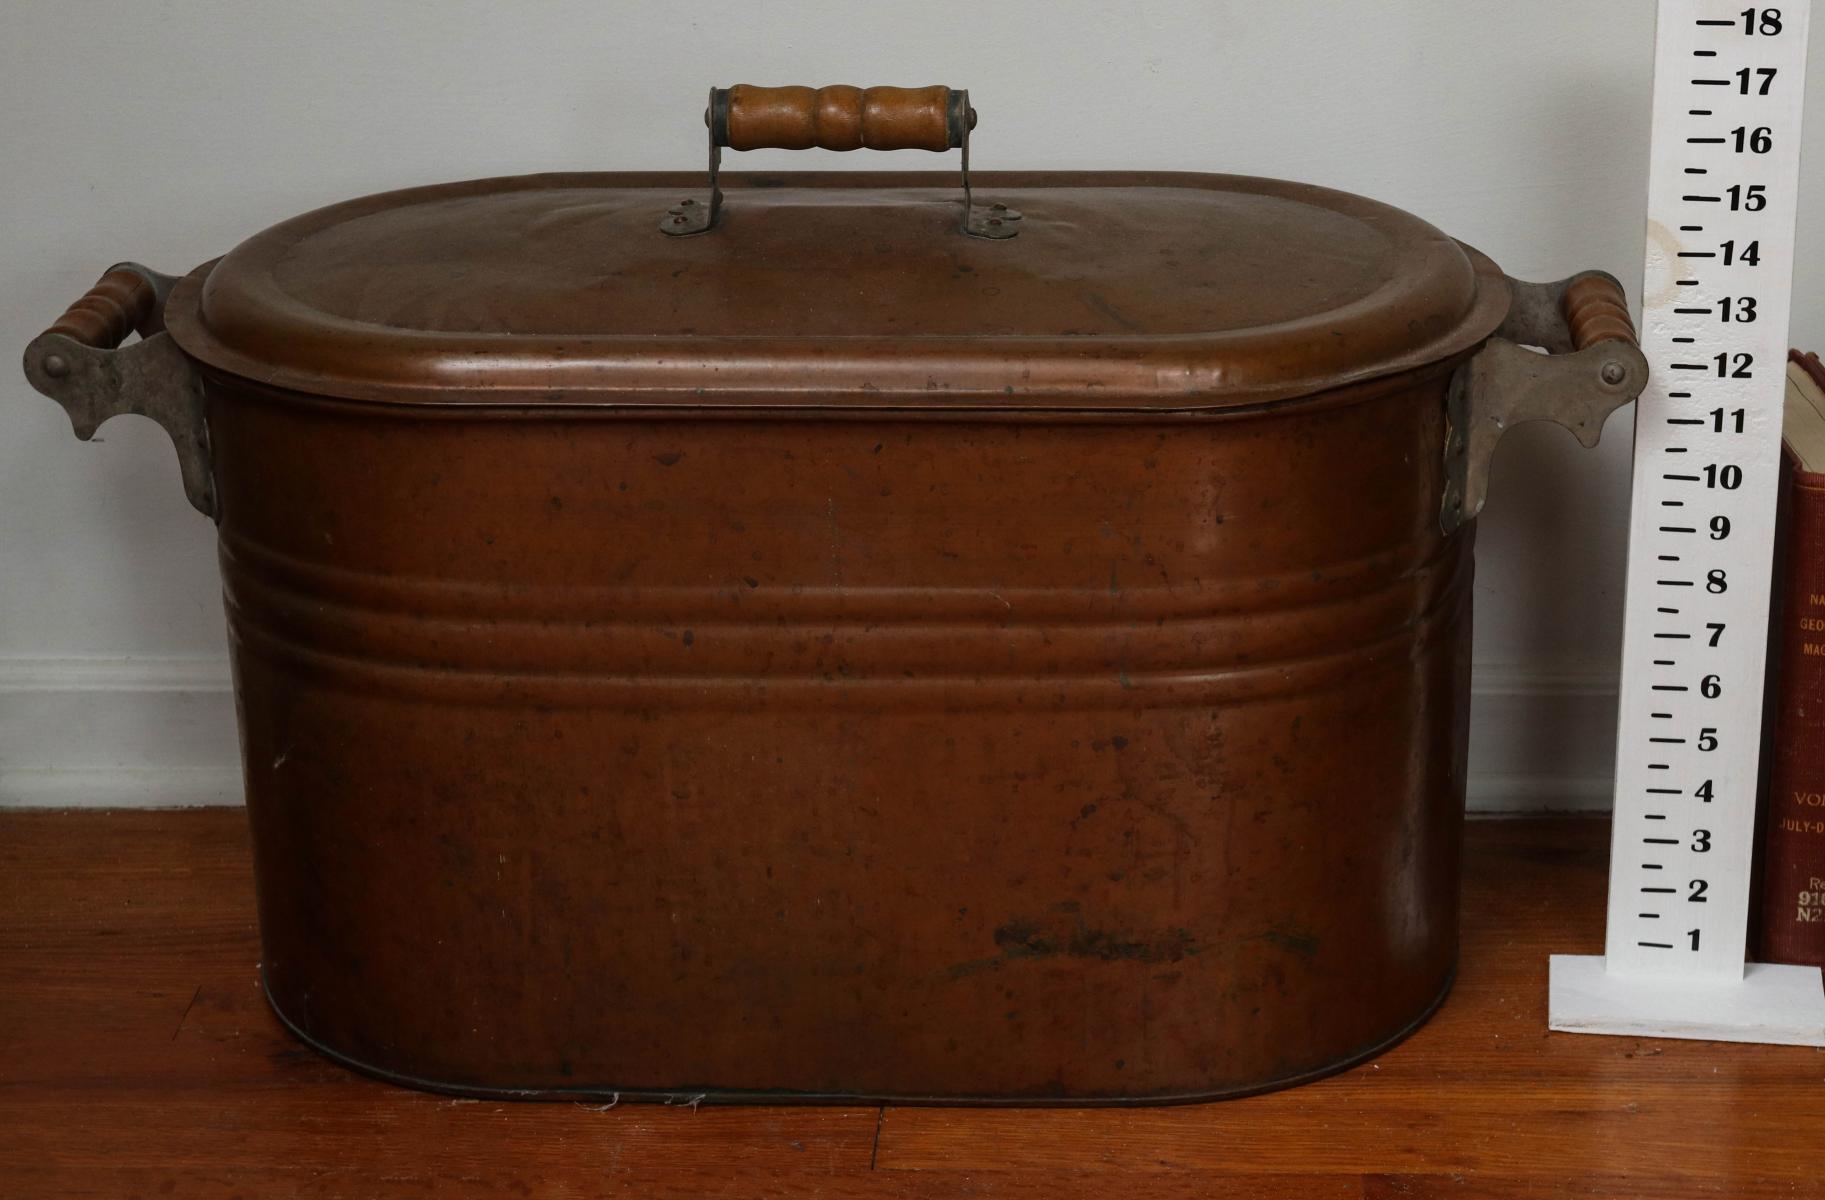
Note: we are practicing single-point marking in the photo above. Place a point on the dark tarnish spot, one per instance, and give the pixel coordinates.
(1069, 937)
(1019, 939)
(670, 459)
(1033, 939)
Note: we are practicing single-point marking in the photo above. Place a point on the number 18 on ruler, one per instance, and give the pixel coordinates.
(1722, 196)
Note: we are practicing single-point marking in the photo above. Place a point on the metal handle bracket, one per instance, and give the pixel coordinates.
(1590, 368)
(151, 377)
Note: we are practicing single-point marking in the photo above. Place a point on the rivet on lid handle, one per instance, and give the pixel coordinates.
(838, 117)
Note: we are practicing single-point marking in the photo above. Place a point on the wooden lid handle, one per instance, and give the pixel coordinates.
(839, 117)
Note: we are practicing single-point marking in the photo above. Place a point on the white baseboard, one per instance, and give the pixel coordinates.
(160, 732)
(1542, 740)
(126, 733)
(120, 787)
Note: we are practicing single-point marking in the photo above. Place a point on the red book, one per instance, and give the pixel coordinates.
(1792, 887)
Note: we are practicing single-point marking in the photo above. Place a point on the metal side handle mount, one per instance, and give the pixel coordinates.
(839, 117)
(80, 363)
(1592, 366)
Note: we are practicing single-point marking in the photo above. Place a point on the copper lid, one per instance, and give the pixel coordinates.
(1163, 291)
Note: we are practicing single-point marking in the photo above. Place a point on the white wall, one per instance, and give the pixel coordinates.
(166, 132)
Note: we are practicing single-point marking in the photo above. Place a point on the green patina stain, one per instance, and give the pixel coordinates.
(1303, 944)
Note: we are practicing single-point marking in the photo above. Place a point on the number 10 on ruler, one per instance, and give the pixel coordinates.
(1722, 196)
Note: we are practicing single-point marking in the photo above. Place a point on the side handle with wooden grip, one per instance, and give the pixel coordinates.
(83, 362)
(1593, 365)
(1595, 310)
(123, 300)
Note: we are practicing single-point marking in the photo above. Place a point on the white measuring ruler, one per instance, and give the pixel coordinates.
(1722, 195)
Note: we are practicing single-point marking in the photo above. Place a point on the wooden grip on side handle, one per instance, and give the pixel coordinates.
(121, 302)
(839, 117)
(1596, 311)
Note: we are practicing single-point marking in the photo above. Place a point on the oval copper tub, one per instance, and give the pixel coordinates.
(885, 645)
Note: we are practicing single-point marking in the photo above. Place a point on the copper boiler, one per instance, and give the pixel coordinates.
(841, 636)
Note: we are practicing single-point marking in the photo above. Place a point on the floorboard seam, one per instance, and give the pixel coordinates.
(180, 1021)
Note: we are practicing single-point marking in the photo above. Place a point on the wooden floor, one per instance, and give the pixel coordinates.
(138, 1059)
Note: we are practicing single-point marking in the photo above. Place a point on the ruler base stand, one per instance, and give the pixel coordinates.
(1773, 1003)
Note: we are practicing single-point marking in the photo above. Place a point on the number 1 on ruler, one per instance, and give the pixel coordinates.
(1723, 184)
